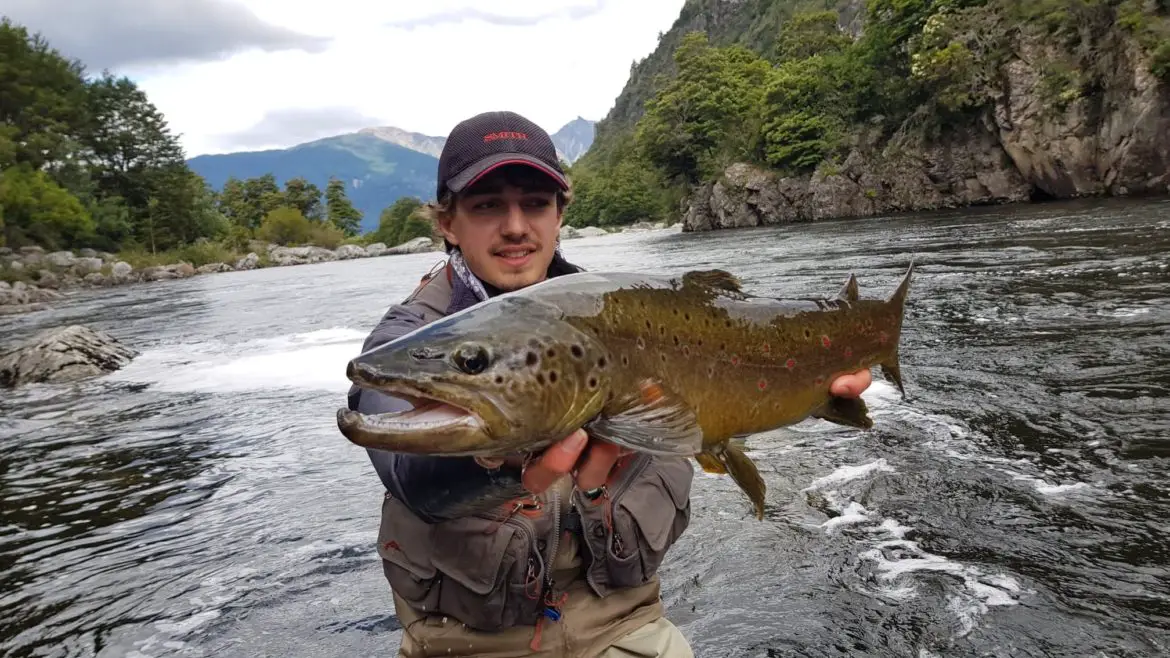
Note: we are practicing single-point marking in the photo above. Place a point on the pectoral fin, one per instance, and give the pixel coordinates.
(729, 459)
(851, 412)
(652, 420)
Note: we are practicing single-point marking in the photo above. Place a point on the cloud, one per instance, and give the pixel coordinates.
(284, 127)
(125, 33)
(574, 12)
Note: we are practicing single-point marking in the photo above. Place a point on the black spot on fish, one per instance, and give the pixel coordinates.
(676, 340)
(648, 325)
(552, 354)
(687, 317)
(674, 310)
(552, 377)
(662, 330)
(625, 360)
(592, 383)
(662, 355)
(577, 351)
(531, 359)
(540, 378)
(807, 332)
(499, 380)
(601, 363)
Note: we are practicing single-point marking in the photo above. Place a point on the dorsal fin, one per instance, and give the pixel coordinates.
(718, 279)
(849, 292)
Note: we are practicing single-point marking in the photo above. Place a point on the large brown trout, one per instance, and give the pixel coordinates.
(657, 364)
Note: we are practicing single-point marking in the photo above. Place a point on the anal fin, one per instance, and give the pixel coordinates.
(742, 470)
(652, 420)
(710, 463)
(851, 412)
(893, 372)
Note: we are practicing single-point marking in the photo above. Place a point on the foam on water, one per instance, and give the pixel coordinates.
(897, 562)
(313, 360)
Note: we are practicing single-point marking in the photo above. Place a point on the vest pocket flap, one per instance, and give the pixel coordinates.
(405, 540)
(472, 555)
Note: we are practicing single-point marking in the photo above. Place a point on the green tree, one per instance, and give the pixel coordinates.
(304, 196)
(401, 222)
(42, 100)
(38, 211)
(285, 226)
(708, 114)
(339, 210)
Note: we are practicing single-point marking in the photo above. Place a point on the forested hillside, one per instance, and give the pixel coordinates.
(763, 111)
(89, 162)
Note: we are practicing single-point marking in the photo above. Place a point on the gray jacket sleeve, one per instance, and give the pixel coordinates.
(434, 488)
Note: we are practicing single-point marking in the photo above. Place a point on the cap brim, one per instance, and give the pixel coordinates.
(477, 170)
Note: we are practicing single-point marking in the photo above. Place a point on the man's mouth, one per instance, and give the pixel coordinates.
(515, 255)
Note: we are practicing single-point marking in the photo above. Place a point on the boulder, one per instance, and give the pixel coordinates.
(415, 246)
(61, 259)
(121, 269)
(591, 232)
(569, 232)
(87, 265)
(300, 255)
(213, 268)
(348, 251)
(248, 262)
(376, 249)
(63, 354)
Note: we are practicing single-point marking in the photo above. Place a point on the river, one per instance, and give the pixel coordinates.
(201, 502)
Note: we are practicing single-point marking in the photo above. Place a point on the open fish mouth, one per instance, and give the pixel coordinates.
(432, 426)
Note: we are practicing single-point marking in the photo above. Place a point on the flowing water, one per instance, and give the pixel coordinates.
(202, 503)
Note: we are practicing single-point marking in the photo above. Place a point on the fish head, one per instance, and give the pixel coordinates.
(506, 376)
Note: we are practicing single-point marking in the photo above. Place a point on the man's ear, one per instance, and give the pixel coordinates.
(444, 224)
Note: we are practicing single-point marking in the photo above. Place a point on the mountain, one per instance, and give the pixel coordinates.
(378, 164)
(376, 171)
(414, 141)
(574, 138)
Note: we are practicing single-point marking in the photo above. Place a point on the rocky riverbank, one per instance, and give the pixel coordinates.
(40, 278)
(1110, 141)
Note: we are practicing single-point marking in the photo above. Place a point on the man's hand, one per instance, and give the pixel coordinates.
(558, 459)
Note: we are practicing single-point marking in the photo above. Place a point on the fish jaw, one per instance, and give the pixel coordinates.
(507, 376)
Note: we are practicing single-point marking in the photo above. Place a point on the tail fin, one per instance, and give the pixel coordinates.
(891, 370)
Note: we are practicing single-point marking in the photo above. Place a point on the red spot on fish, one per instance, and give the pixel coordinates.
(848, 352)
(826, 342)
(819, 381)
(735, 359)
(767, 348)
(883, 338)
(651, 392)
(762, 384)
(791, 363)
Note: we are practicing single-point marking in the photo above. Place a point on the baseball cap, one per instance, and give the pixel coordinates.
(490, 140)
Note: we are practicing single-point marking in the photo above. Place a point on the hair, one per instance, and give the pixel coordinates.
(521, 176)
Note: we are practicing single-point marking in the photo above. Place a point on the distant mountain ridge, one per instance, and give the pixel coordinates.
(378, 164)
(572, 140)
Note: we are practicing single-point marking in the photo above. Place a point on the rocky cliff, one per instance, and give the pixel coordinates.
(1113, 139)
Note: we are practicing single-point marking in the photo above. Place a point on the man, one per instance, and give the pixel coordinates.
(568, 567)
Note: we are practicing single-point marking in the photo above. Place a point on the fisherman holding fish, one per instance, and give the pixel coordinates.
(547, 554)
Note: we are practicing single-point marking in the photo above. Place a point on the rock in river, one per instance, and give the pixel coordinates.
(63, 354)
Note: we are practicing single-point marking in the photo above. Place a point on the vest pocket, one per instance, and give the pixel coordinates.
(484, 573)
(644, 527)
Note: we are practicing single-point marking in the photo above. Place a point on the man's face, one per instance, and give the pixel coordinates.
(506, 231)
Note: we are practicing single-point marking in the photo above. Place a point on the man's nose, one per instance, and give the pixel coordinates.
(514, 222)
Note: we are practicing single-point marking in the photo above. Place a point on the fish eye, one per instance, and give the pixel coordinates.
(471, 359)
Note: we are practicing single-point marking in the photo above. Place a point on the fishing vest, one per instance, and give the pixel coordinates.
(472, 585)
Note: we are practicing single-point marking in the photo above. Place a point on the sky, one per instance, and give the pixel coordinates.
(232, 75)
